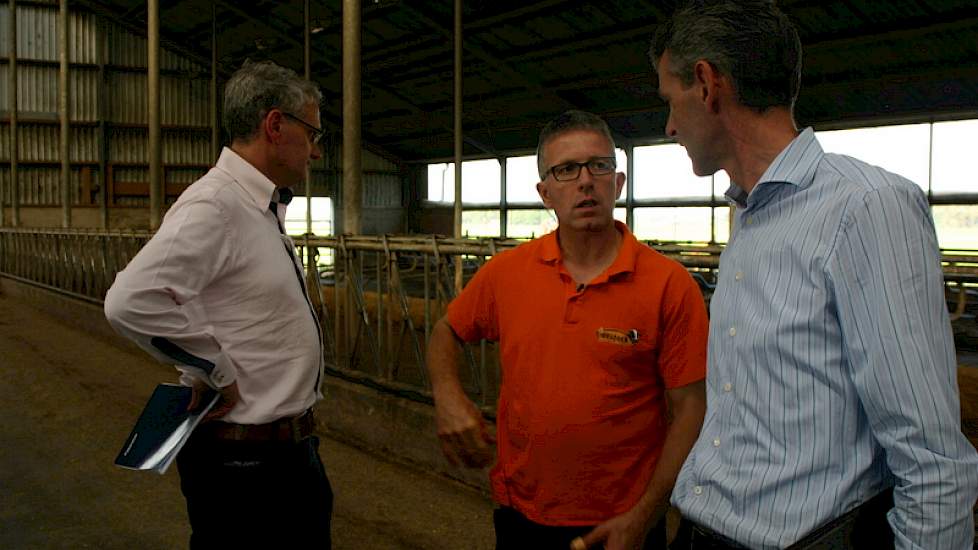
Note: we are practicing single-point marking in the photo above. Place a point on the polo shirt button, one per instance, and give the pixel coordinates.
(732, 331)
(698, 490)
(727, 387)
(716, 442)
(739, 275)
(750, 220)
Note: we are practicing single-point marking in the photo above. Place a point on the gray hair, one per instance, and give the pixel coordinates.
(258, 87)
(751, 41)
(566, 122)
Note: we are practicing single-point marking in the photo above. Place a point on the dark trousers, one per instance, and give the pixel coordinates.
(515, 532)
(246, 494)
(863, 527)
(691, 536)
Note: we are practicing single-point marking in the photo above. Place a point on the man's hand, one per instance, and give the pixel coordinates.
(624, 532)
(229, 398)
(462, 431)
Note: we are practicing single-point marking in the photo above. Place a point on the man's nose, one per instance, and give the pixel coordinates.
(585, 179)
(670, 127)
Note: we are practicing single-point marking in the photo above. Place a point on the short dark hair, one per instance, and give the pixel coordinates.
(751, 41)
(258, 87)
(566, 122)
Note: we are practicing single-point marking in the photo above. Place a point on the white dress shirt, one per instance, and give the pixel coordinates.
(217, 293)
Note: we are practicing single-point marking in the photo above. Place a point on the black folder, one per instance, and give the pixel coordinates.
(163, 427)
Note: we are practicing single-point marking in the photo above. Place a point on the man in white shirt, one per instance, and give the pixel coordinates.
(218, 293)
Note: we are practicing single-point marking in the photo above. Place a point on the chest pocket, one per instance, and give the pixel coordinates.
(624, 355)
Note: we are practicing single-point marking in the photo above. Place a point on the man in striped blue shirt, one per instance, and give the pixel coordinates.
(833, 413)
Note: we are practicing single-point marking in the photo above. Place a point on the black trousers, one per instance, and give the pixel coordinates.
(244, 494)
(863, 527)
(515, 532)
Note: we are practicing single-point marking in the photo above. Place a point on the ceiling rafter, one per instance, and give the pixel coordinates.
(602, 37)
(491, 60)
(495, 63)
(467, 29)
(853, 61)
(514, 15)
(166, 41)
(410, 105)
(912, 30)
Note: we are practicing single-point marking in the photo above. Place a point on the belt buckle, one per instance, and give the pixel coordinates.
(238, 432)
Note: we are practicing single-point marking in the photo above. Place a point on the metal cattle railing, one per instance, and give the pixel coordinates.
(377, 296)
(79, 263)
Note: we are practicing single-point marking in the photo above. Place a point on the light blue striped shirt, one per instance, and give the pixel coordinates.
(831, 367)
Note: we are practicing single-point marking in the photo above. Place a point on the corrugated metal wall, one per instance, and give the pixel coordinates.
(185, 115)
(184, 107)
(42, 144)
(381, 182)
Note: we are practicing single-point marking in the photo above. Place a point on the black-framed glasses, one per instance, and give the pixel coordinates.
(598, 166)
(317, 133)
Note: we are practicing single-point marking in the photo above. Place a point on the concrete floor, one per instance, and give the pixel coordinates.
(67, 403)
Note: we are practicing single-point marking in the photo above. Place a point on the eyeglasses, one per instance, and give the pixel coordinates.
(598, 166)
(317, 133)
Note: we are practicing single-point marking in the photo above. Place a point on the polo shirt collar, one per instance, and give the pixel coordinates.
(257, 185)
(795, 165)
(624, 261)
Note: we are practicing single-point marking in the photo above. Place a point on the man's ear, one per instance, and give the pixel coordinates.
(544, 193)
(619, 184)
(272, 125)
(708, 80)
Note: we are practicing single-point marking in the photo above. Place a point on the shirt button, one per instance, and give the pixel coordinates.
(716, 442)
(732, 331)
(750, 220)
(698, 490)
(727, 387)
(739, 275)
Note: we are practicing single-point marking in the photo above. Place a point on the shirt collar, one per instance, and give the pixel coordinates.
(794, 165)
(624, 261)
(261, 189)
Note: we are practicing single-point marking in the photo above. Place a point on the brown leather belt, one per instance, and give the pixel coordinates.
(293, 429)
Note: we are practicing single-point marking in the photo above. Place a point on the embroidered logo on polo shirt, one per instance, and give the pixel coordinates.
(618, 336)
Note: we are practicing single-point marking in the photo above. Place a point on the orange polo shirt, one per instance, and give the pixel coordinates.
(582, 411)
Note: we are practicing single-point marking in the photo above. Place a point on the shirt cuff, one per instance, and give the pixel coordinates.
(224, 373)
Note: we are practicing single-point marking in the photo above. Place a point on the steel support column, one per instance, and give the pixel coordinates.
(503, 199)
(457, 117)
(352, 194)
(155, 145)
(66, 194)
(307, 57)
(457, 217)
(102, 58)
(215, 124)
(12, 187)
(630, 186)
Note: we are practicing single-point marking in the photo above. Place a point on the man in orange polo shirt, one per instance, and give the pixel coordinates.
(597, 335)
